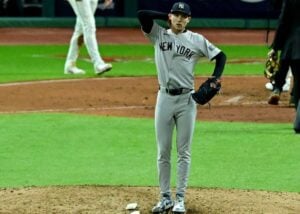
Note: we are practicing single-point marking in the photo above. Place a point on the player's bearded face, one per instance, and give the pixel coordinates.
(178, 22)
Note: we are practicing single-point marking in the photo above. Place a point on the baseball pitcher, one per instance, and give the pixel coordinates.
(177, 51)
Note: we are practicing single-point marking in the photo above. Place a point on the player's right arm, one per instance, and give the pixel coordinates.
(146, 18)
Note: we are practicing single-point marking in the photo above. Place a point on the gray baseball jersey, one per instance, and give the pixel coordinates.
(176, 56)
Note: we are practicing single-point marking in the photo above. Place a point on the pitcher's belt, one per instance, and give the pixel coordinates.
(175, 91)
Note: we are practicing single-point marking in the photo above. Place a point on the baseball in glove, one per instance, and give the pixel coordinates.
(272, 66)
(207, 90)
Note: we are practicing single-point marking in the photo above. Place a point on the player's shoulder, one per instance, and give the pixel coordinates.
(158, 28)
(194, 35)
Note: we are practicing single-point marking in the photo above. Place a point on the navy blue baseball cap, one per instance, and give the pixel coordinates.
(181, 7)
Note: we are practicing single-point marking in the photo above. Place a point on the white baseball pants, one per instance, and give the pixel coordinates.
(85, 26)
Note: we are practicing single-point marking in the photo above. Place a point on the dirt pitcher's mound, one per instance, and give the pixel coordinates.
(113, 200)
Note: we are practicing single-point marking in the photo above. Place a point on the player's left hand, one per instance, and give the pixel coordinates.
(207, 90)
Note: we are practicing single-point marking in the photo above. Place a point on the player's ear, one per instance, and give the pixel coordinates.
(169, 19)
(189, 19)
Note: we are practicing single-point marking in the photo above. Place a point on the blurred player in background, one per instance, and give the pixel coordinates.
(85, 32)
(287, 40)
(285, 72)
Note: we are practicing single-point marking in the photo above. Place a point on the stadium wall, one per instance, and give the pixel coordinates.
(246, 14)
(133, 22)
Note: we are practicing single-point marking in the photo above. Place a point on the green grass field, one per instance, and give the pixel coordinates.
(23, 63)
(68, 149)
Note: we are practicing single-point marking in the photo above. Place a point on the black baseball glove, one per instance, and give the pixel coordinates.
(271, 66)
(207, 90)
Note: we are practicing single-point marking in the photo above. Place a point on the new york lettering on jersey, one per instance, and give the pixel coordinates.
(180, 49)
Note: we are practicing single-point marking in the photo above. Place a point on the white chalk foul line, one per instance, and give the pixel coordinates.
(82, 79)
(77, 109)
(68, 80)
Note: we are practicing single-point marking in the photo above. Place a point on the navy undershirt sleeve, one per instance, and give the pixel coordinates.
(220, 64)
(146, 18)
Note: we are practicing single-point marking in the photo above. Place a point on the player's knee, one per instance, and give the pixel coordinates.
(89, 29)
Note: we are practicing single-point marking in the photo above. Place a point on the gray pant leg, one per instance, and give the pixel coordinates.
(170, 111)
(185, 123)
(164, 125)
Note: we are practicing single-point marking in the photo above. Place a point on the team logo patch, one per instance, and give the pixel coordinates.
(181, 6)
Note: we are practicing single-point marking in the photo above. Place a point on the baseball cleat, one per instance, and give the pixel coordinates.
(102, 68)
(163, 206)
(178, 207)
(73, 70)
(275, 97)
